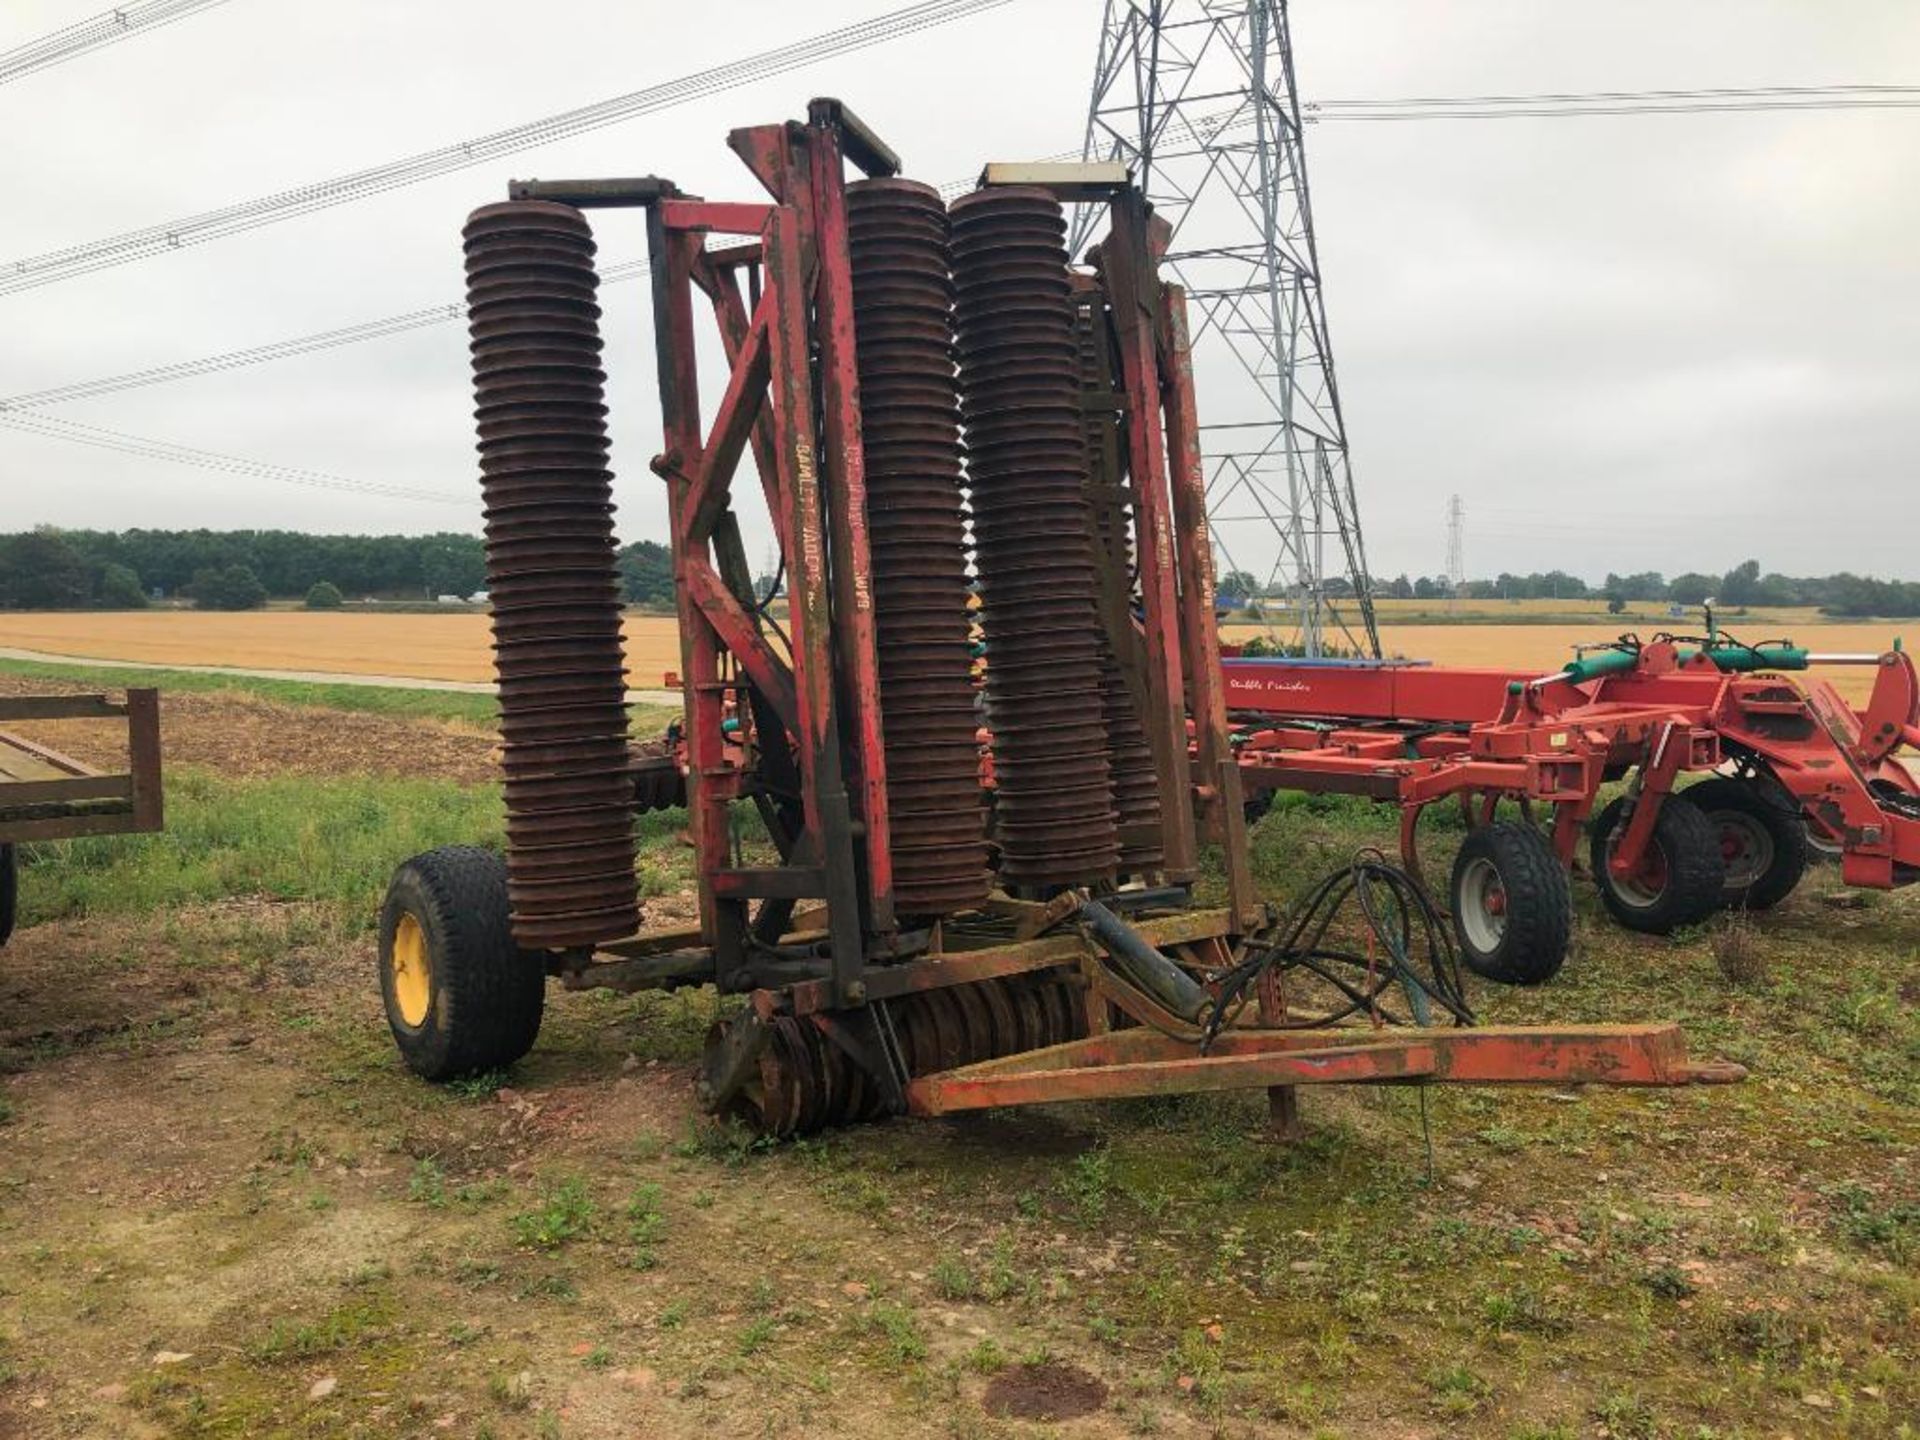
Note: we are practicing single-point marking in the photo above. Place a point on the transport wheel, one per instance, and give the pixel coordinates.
(1763, 839)
(460, 995)
(1512, 908)
(9, 892)
(1681, 875)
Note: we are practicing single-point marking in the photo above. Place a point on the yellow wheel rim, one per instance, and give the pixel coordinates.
(412, 974)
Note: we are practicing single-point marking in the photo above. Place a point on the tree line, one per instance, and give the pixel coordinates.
(1742, 587)
(51, 569)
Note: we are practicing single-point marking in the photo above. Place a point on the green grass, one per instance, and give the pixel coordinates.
(398, 702)
(370, 699)
(286, 838)
(565, 1213)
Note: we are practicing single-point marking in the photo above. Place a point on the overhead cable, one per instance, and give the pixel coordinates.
(106, 28)
(32, 271)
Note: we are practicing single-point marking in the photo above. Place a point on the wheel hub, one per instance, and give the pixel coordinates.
(1483, 905)
(412, 975)
(1746, 847)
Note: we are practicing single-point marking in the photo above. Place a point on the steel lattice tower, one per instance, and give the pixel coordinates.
(1456, 545)
(1197, 97)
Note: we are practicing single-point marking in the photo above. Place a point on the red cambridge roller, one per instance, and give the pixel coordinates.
(910, 428)
(555, 593)
(1033, 534)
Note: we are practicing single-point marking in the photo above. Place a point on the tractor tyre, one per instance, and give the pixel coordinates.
(9, 892)
(1763, 839)
(1512, 906)
(1681, 874)
(460, 995)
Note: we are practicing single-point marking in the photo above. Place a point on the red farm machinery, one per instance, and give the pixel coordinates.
(933, 399)
(1787, 763)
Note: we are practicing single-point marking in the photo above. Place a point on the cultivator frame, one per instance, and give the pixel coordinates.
(853, 1010)
(1416, 735)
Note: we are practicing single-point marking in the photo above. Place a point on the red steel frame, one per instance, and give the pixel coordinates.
(1417, 734)
(810, 725)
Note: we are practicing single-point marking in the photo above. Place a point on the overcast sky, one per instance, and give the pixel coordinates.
(1660, 342)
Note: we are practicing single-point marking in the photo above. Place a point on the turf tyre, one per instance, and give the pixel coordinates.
(1512, 906)
(1763, 839)
(484, 995)
(1688, 853)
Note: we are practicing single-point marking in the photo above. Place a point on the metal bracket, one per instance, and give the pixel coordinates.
(876, 1052)
(596, 194)
(731, 1060)
(858, 143)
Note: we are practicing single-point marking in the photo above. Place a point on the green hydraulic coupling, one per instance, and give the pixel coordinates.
(1598, 663)
(1731, 658)
(1753, 657)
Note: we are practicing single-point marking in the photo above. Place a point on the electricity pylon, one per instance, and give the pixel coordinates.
(1197, 98)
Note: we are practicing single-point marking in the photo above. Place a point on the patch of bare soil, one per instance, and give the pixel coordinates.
(247, 737)
(225, 1209)
(1050, 1392)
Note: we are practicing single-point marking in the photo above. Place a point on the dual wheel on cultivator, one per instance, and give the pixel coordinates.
(1727, 843)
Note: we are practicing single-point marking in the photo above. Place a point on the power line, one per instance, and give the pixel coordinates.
(1561, 105)
(381, 329)
(56, 265)
(1622, 102)
(106, 28)
(1597, 96)
(72, 431)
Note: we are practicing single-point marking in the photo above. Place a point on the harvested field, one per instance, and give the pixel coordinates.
(226, 1210)
(419, 647)
(245, 737)
(455, 647)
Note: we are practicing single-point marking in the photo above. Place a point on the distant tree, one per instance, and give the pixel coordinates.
(324, 595)
(1425, 588)
(453, 565)
(1740, 585)
(233, 587)
(646, 572)
(1616, 604)
(1400, 588)
(1647, 585)
(1236, 587)
(119, 589)
(39, 570)
(1691, 588)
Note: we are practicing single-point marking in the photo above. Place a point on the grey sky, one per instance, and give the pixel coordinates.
(1652, 342)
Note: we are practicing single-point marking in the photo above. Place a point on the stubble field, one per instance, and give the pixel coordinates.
(226, 1210)
(455, 646)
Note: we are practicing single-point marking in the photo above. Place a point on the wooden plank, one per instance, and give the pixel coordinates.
(60, 707)
(18, 765)
(36, 760)
(18, 794)
(143, 759)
